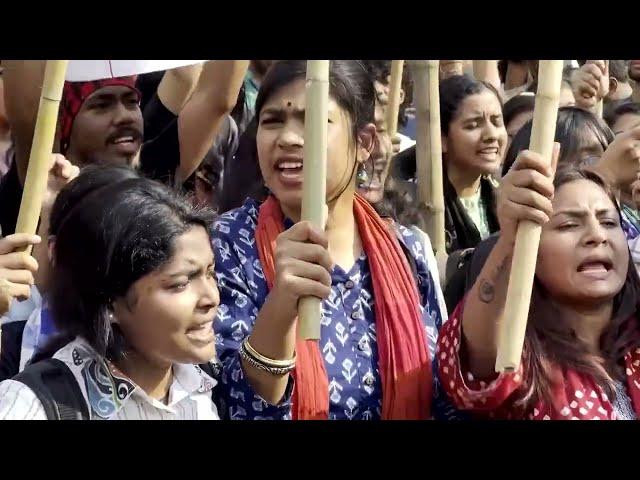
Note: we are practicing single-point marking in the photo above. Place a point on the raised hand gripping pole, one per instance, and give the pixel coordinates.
(36, 181)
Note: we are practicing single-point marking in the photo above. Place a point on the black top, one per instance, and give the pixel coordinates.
(461, 231)
(10, 197)
(242, 177)
(156, 117)
(465, 267)
(160, 157)
(147, 84)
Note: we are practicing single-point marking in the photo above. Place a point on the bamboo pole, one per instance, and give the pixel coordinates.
(525, 252)
(435, 156)
(426, 80)
(36, 181)
(395, 85)
(314, 177)
(420, 75)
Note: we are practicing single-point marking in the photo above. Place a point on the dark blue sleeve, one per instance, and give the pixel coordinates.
(242, 292)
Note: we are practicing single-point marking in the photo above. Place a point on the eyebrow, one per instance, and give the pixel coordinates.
(579, 212)
(475, 116)
(191, 269)
(281, 112)
(185, 272)
(637, 124)
(104, 97)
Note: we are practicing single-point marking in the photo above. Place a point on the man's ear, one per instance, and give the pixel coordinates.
(402, 96)
(444, 144)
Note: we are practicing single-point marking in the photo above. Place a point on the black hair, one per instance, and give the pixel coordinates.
(378, 69)
(517, 105)
(242, 178)
(119, 233)
(350, 86)
(92, 178)
(453, 91)
(571, 121)
(612, 116)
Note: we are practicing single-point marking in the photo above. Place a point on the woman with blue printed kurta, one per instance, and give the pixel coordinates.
(380, 314)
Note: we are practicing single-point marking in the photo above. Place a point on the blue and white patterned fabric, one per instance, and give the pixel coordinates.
(38, 327)
(628, 224)
(348, 333)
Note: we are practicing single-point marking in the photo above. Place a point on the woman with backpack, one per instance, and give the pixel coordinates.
(133, 298)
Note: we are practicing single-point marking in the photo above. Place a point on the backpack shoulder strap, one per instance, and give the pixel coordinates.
(213, 369)
(56, 388)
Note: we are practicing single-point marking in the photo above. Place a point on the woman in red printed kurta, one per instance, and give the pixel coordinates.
(581, 358)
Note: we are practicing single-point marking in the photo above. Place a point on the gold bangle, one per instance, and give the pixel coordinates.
(266, 360)
(277, 371)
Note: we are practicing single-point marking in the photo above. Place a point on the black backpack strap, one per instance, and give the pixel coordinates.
(56, 388)
(213, 369)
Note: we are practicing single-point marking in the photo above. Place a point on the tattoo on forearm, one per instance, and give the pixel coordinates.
(486, 291)
(487, 287)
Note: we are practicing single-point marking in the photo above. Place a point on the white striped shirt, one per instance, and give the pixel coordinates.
(112, 396)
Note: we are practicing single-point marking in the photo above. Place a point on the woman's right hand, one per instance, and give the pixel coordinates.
(17, 268)
(303, 267)
(525, 193)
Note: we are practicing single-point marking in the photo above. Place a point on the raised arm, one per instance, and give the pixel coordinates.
(22, 85)
(487, 71)
(213, 98)
(177, 86)
(524, 194)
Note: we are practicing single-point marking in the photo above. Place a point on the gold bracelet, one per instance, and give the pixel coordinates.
(277, 371)
(266, 360)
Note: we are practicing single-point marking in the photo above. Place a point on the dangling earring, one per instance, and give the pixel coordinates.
(362, 176)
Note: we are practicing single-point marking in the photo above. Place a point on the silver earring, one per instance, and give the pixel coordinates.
(362, 176)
